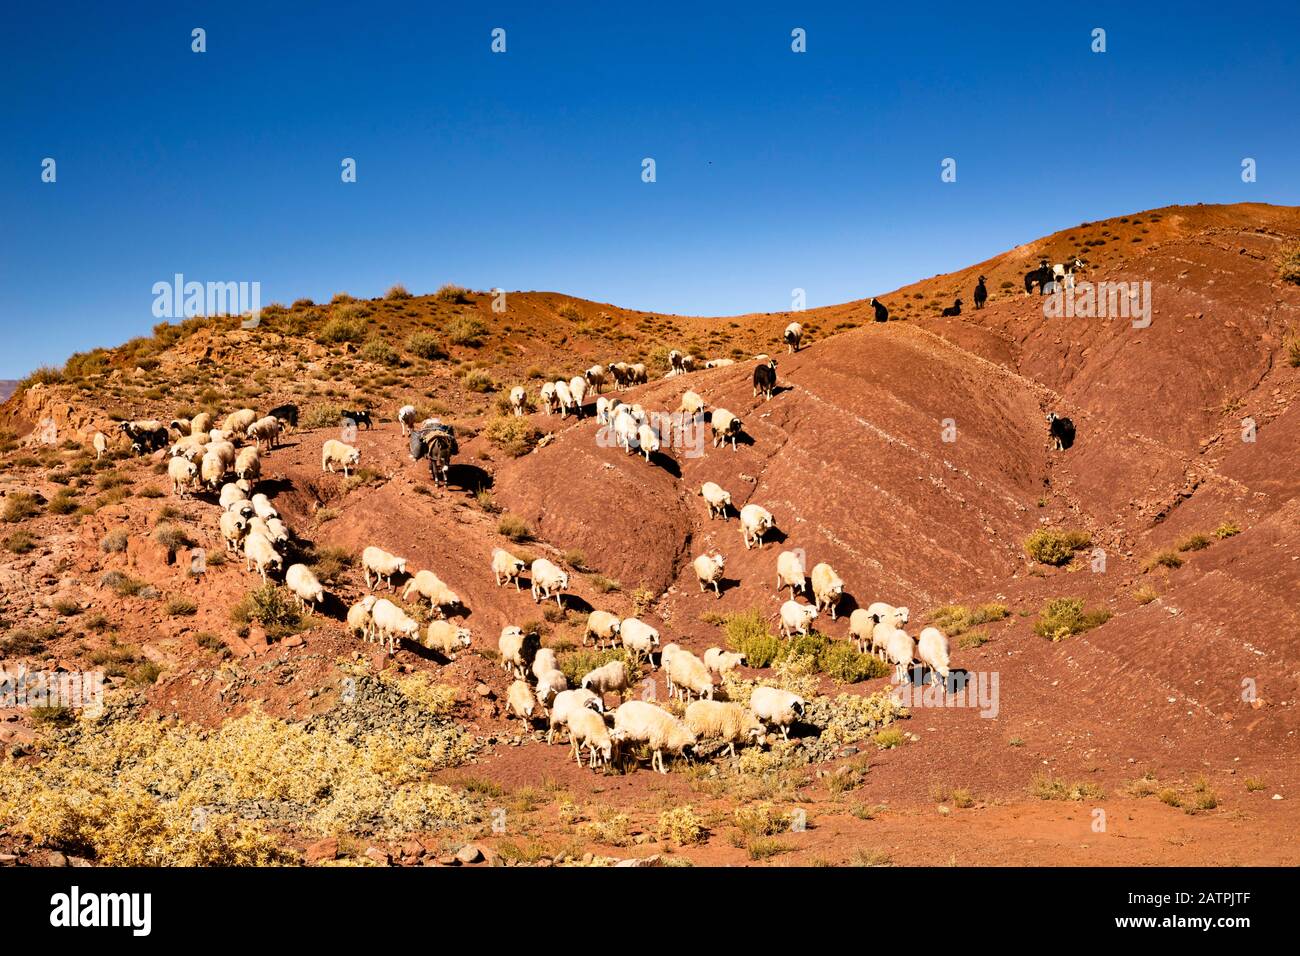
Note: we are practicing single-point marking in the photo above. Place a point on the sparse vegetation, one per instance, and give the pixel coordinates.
(270, 606)
(1055, 546)
(1194, 542)
(514, 528)
(1046, 787)
(467, 331)
(20, 506)
(1162, 559)
(1288, 267)
(452, 293)
(114, 542)
(681, 826)
(425, 345)
(1064, 617)
(1226, 530)
(514, 436)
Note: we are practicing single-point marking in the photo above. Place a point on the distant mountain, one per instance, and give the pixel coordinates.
(7, 387)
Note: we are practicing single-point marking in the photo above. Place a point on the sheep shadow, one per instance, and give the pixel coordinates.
(333, 607)
(774, 536)
(778, 389)
(667, 462)
(273, 486)
(572, 602)
(848, 604)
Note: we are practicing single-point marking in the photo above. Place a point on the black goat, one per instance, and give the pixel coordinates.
(286, 413)
(954, 309)
(1061, 430)
(981, 294)
(358, 419)
(882, 313)
(765, 378)
(1043, 276)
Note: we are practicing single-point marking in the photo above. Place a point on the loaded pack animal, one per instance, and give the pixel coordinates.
(437, 442)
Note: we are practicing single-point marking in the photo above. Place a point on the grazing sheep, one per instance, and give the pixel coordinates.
(900, 650)
(932, 651)
(981, 294)
(567, 701)
(637, 374)
(621, 373)
(265, 430)
(724, 425)
(578, 389)
(827, 587)
(273, 530)
(546, 396)
(212, 470)
(428, 585)
(719, 363)
(232, 493)
(191, 447)
(201, 424)
(796, 618)
(687, 675)
(548, 580)
(952, 310)
(359, 616)
(100, 442)
(544, 660)
(551, 683)
(263, 508)
(182, 474)
(776, 707)
(722, 662)
(1061, 431)
(595, 377)
(305, 586)
(708, 570)
(765, 378)
(640, 722)
(518, 400)
(383, 565)
(506, 567)
(510, 646)
(602, 626)
(790, 572)
(793, 336)
(406, 417)
(587, 729)
(692, 404)
(861, 625)
(446, 638)
(625, 430)
(233, 529)
(392, 624)
(335, 452)
(648, 439)
(725, 722)
(564, 397)
(718, 500)
(611, 676)
(260, 553)
(639, 638)
(520, 702)
(237, 423)
(881, 310)
(880, 611)
(755, 521)
(248, 464)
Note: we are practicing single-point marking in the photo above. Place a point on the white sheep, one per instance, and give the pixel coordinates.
(827, 588)
(182, 474)
(790, 572)
(611, 676)
(428, 585)
(567, 701)
(506, 567)
(692, 404)
(625, 427)
(273, 530)
(446, 638)
(880, 611)
(687, 675)
(638, 721)
(191, 448)
(237, 423)
(776, 707)
(212, 470)
(603, 408)
(520, 701)
(305, 586)
(510, 647)
(359, 616)
(717, 499)
(265, 430)
(587, 729)
(595, 377)
(722, 662)
(900, 650)
(260, 553)
(708, 570)
(755, 521)
(932, 651)
(392, 624)
(796, 618)
(544, 660)
(793, 336)
(382, 565)
(263, 508)
(546, 397)
(861, 624)
(648, 439)
(248, 464)
(639, 638)
(550, 683)
(724, 425)
(201, 424)
(548, 580)
(563, 396)
(233, 529)
(578, 389)
(336, 453)
(719, 363)
(602, 626)
(231, 494)
(726, 722)
(518, 400)
(406, 418)
(100, 442)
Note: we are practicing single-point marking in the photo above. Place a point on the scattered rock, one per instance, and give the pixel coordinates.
(327, 849)
(469, 853)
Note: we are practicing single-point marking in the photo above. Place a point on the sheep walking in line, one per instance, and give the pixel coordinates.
(777, 708)
(692, 404)
(263, 508)
(648, 439)
(426, 584)
(446, 638)
(722, 662)
(578, 389)
(182, 473)
(796, 618)
(725, 722)
(248, 464)
(231, 494)
(708, 571)
(100, 442)
(359, 617)
(564, 397)
(382, 565)
(406, 418)
(259, 553)
(544, 660)
(587, 729)
(827, 588)
(265, 431)
(233, 529)
(687, 675)
(595, 377)
(551, 683)
(900, 650)
(518, 401)
(566, 702)
(546, 396)
(639, 638)
(237, 423)
(885, 626)
(611, 676)
(520, 702)
(793, 336)
(391, 624)
(335, 454)
(790, 572)
(755, 521)
(724, 425)
(602, 626)
(717, 499)
(510, 648)
(932, 651)
(548, 580)
(305, 587)
(212, 469)
(640, 722)
(506, 567)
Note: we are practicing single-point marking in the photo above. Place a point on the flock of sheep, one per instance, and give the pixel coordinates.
(248, 522)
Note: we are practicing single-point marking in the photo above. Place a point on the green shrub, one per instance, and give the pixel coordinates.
(397, 291)
(272, 607)
(956, 619)
(1288, 267)
(378, 350)
(477, 380)
(20, 542)
(514, 528)
(1047, 787)
(425, 345)
(338, 330)
(1194, 542)
(20, 506)
(1063, 617)
(575, 664)
(452, 293)
(514, 436)
(1162, 559)
(180, 606)
(171, 537)
(467, 331)
(322, 416)
(1226, 530)
(748, 632)
(63, 503)
(1054, 546)
(114, 542)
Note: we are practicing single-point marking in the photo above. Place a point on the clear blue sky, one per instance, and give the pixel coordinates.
(775, 170)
